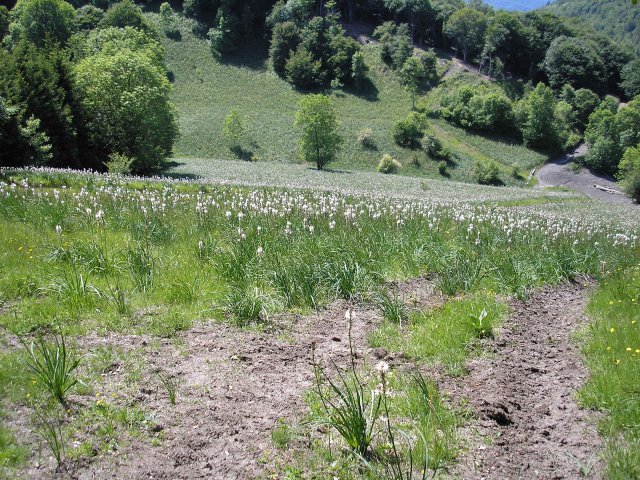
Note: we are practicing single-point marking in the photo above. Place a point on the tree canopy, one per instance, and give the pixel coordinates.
(318, 124)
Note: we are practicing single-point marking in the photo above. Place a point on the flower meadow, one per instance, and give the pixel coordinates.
(109, 254)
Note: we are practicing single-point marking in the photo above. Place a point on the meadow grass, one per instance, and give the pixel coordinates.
(431, 337)
(206, 89)
(611, 348)
(117, 254)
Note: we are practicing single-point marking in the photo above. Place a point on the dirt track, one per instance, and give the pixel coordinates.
(529, 423)
(558, 173)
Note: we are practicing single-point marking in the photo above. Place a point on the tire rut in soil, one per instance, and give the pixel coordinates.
(525, 396)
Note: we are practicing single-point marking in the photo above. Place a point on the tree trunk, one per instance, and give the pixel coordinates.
(318, 164)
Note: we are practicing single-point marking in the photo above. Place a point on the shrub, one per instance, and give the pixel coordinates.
(433, 147)
(223, 38)
(486, 173)
(365, 138)
(42, 21)
(168, 21)
(406, 132)
(479, 109)
(119, 163)
(629, 172)
(388, 164)
(125, 98)
(284, 41)
(442, 167)
(631, 78)
(233, 129)
(126, 14)
(303, 71)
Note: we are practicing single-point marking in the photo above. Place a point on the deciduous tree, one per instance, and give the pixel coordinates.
(318, 124)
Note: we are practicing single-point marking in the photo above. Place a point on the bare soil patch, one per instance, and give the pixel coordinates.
(524, 396)
(234, 387)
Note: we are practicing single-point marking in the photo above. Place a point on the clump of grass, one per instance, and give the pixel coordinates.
(281, 434)
(393, 308)
(347, 278)
(444, 335)
(119, 300)
(53, 366)
(11, 453)
(170, 384)
(460, 272)
(298, 284)
(246, 306)
(350, 408)
(73, 288)
(142, 265)
(51, 432)
(437, 422)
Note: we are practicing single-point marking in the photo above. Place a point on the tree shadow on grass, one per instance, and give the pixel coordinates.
(366, 90)
(254, 55)
(169, 165)
(330, 170)
(242, 153)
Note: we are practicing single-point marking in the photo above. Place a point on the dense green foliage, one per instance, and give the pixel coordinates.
(573, 61)
(610, 132)
(319, 139)
(59, 111)
(125, 100)
(467, 27)
(408, 131)
(481, 109)
(535, 115)
(619, 19)
(631, 78)
(43, 21)
(312, 52)
(629, 172)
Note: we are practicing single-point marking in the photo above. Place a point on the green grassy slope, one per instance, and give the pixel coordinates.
(619, 19)
(206, 89)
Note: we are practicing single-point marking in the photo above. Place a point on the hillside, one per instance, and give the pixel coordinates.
(619, 19)
(206, 89)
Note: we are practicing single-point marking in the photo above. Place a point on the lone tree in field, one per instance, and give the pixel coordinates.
(319, 141)
(233, 129)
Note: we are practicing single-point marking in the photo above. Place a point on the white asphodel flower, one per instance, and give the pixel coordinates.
(382, 367)
(58, 229)
(259, 251)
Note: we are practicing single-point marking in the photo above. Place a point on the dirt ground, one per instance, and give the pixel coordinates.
(529, 425)
(235, 385)
(558, 173)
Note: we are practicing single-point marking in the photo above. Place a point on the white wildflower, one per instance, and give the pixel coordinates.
(382, 367)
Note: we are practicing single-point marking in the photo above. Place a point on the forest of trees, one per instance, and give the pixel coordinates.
(84, 88)
(83, 83)
(619, 19)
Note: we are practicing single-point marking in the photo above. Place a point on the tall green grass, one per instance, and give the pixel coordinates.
(612, 354)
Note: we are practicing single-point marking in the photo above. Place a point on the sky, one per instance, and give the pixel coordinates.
(523, 5)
